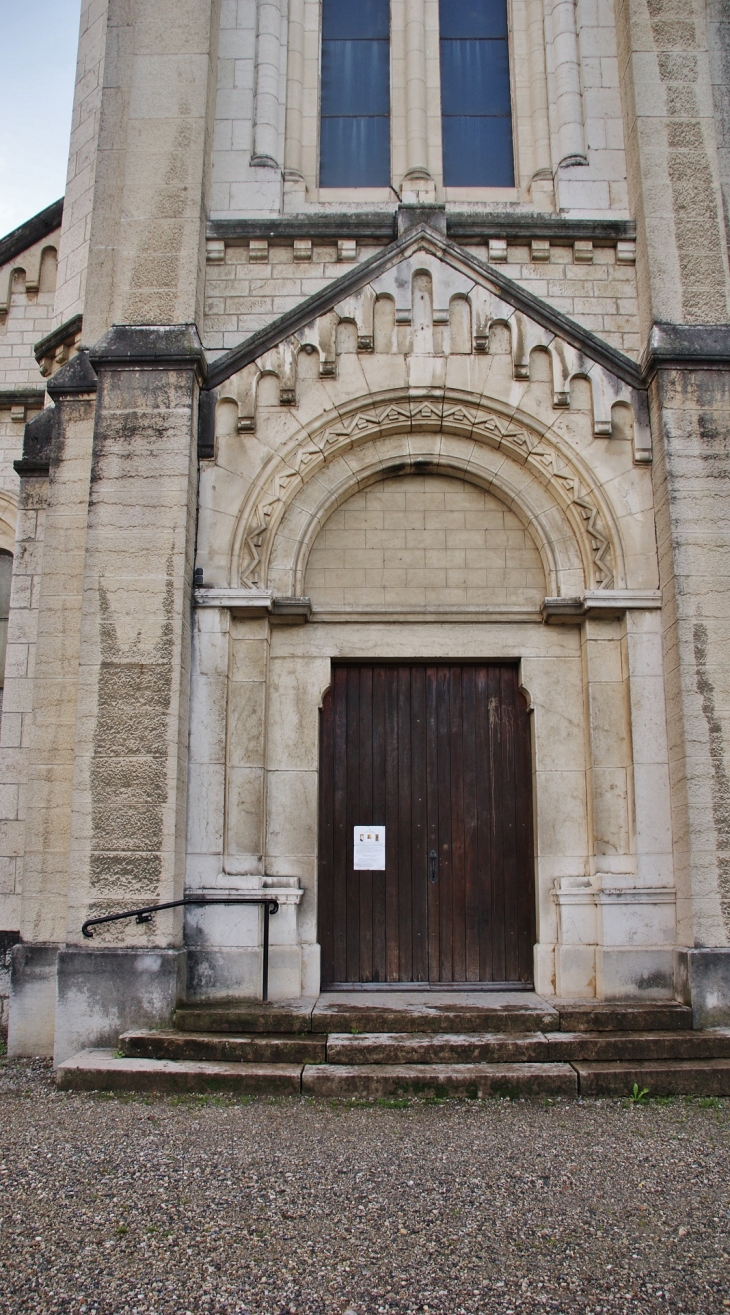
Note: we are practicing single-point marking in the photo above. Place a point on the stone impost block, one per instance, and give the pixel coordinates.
(347, 249)
(258, 251)
(215, 251)
(303, 248)
(583, 253)
(497, 250)
(540, 249)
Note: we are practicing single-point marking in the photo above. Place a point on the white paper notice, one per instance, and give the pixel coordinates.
(369, 849)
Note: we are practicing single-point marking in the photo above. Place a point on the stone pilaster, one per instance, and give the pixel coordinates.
(131, 732)
(49, 761)
(689, 368)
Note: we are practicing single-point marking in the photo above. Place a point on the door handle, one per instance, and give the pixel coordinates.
(432, 865)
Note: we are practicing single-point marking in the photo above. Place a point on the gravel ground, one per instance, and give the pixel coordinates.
(175, 1206)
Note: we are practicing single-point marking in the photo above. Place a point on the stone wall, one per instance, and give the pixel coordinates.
(250, 286)
(422, 541)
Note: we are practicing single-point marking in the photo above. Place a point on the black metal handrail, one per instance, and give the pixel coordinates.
(270, 904)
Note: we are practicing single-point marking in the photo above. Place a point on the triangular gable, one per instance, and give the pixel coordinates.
(375, 270)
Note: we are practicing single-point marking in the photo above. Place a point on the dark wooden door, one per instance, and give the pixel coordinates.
(438, 753)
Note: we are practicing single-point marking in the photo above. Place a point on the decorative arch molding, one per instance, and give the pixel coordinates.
(480, 440)
(8, 520)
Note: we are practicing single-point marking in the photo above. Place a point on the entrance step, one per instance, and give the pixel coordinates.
(580, 1016)
(436, 1048)
(275, 1016)
(496, 1047)
(219, 1047)
(438, 1080)
(433, 1011)
(105, 1070)
(708, 1077)
(638, 1046)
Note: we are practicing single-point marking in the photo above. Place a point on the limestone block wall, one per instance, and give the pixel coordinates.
(423, 541)
(16, 726)
(595, 286)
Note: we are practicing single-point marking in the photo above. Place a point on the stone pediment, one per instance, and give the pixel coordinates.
(455, 275)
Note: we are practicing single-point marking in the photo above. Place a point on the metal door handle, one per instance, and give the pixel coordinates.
(432, 864)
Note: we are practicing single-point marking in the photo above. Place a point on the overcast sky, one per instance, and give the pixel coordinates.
(38, 39)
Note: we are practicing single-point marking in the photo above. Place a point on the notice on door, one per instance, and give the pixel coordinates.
(369, 849)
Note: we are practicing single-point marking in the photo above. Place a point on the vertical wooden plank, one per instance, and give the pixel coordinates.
(508, 685)
(471, 857)
(340, 837)
(390, 811)
(497, 821)
(524, 841)
(485, 868)
(378, 879)
(432, 811)
(353, 819)
(325, 851)
(458, 876)
(364, 814)
(445, 883)
(413, 708)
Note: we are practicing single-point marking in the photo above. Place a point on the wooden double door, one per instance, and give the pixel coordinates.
(439, 754)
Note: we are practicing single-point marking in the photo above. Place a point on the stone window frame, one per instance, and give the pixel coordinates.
(541, 93)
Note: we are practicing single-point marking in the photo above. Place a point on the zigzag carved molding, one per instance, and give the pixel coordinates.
(290, 471)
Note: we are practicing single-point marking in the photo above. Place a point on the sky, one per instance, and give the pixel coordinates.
(38, 39)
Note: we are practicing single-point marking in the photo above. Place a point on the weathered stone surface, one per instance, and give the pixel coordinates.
(436, 1048)
(638, 1046)
(434, 1080)
(416, 1011)
(216, 1046)
(288, 1016)
(102, 1070)
(700, 1077)
(624, 1017)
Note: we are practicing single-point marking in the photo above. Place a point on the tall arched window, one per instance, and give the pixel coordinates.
(355, 117)
(476, 111)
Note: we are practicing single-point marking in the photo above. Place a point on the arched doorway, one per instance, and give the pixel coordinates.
(437, 753)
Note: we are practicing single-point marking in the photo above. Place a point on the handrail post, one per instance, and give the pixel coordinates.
(265, 973)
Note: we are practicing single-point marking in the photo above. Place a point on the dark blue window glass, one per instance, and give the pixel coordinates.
(354, 146)
(475, 94)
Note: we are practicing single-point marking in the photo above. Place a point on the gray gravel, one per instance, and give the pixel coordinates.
(131, 1205)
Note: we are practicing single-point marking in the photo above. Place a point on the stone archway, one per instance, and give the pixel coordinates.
(533, 473)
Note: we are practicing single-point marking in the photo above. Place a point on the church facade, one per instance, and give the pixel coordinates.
(366, 483)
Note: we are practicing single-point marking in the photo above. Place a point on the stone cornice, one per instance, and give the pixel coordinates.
(150, 347)
(32, 231)
(687, 347)
(382, 225)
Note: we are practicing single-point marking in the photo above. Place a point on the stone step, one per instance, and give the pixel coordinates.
(105, 1070)
(221, 1047)
(436, 1048)
(438, 1080)
(293, 1016)
(548, 1047)
(696, 1077)
(582, 1016)
(424, 1011)
(638, 1046)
